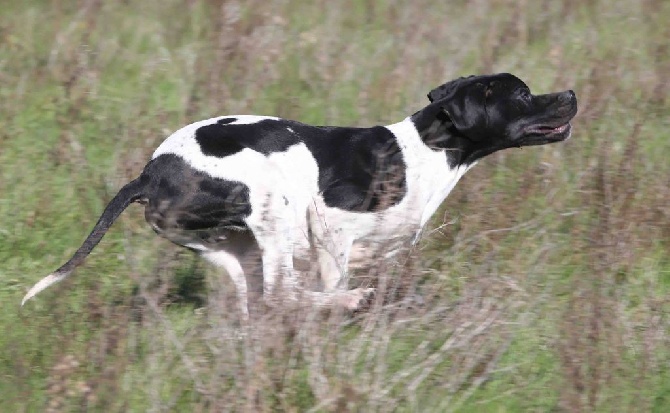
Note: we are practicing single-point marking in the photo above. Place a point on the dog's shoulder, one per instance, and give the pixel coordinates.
(360, 169)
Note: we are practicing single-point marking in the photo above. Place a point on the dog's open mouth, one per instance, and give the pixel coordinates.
(547, 133)
(549, 130)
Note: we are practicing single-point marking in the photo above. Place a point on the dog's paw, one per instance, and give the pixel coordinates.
(355, 299)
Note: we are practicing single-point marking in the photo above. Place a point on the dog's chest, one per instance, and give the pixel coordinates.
(382, 234)
(429, 179)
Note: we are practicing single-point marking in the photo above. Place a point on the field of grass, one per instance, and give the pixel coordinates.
(545, 277)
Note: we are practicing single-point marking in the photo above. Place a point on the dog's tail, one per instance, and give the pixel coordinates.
(128, 194)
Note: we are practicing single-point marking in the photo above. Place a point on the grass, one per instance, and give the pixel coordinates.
(545, 282)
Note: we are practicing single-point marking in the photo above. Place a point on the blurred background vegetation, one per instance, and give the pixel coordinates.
(545, 281)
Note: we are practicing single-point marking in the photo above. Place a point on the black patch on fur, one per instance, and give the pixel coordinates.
(223, 139)
(225, 121)
(213, 141)
(182, 198)
(360, 169)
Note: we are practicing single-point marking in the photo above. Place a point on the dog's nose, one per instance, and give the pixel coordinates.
(567, 96)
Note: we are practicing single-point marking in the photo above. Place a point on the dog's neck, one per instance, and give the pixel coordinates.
(439, 134)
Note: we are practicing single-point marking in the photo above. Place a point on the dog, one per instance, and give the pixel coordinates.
(235, 187)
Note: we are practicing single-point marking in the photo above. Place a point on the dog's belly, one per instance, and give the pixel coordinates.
(363, 255)
(375, 236)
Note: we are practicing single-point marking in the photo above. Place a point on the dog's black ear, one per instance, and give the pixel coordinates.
(436, 94)
(448, 88)
(463, 102)
(440, 92)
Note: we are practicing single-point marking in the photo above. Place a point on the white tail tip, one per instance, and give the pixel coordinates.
(42, 284)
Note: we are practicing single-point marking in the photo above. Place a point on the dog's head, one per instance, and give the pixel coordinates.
(485, 114)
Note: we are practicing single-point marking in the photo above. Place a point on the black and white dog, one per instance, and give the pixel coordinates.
(234, 186)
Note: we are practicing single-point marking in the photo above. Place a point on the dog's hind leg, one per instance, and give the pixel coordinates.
(239, 256)
(233, 267)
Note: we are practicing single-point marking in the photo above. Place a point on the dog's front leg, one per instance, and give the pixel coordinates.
(333, 247)
(273, 225)
(280, 281)
(333, 259)
(279, 278)
(274, 230)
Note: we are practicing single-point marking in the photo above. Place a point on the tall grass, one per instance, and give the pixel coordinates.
(542, 285)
